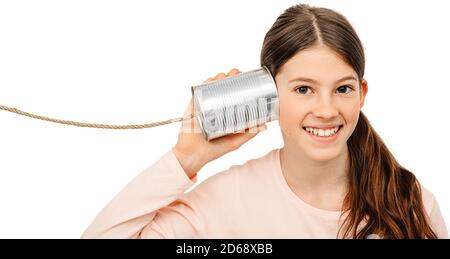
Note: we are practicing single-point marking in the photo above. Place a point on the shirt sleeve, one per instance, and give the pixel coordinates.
(155, 205)
(148, 204)
(437, 221)
(434, 213)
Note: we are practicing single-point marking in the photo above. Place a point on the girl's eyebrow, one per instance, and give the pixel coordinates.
(305, 79)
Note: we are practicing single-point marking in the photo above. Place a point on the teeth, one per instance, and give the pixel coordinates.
(322, 132)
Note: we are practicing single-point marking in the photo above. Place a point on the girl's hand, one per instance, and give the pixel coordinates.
(193, 151)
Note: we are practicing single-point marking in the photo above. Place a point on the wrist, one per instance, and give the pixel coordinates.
(188, 161)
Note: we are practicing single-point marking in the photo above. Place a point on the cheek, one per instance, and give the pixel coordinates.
(350, 112)
(291, 115)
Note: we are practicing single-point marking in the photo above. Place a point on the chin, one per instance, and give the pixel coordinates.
(323, 155)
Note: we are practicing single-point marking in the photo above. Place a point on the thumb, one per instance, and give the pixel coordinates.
(190, 124)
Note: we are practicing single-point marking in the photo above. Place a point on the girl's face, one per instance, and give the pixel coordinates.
(320, 98)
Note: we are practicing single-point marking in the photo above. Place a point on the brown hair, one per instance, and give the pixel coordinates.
(383, 198)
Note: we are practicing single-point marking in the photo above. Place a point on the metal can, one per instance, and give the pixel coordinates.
(235, 103)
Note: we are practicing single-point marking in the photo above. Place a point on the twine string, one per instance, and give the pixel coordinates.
(95, 125)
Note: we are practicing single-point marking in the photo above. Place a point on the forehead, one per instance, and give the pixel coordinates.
(319, 63)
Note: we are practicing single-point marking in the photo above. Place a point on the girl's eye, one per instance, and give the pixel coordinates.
(345, 89)
(303, 89)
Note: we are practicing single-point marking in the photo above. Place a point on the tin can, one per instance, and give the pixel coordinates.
(235, 103)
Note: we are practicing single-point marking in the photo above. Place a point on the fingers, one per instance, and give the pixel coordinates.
(232, 72)
(256, 130)
(220, 76)
(251, 131)
(241, 138)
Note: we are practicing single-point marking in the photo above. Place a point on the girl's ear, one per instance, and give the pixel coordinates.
(362, 96)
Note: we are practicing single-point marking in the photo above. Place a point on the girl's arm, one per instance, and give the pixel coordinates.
(136, 206)
(155, 205)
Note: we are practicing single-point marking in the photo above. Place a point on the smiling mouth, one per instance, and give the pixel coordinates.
(323, 132)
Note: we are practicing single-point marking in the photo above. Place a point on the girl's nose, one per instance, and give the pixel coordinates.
(325, 108)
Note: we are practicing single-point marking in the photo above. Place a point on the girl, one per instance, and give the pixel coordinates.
(333, 178)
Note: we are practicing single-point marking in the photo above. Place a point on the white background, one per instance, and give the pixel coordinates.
(134, 62)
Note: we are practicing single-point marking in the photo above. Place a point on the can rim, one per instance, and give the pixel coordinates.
(271, 76)
(197, 112)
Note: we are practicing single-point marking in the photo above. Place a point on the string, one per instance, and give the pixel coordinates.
(95, 125)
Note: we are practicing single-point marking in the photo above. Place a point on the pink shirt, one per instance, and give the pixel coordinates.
(251, 200)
